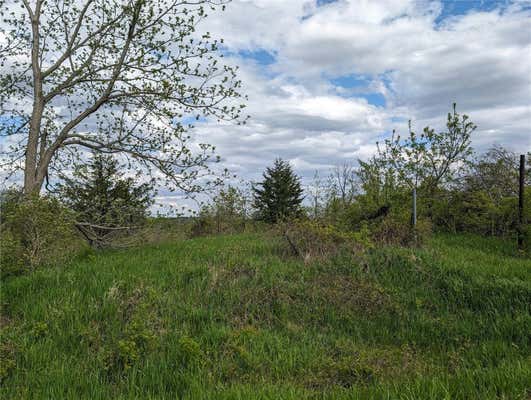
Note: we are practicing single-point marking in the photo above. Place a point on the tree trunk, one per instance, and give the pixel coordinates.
(32, 182)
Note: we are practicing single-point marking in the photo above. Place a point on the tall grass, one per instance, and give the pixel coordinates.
(230, 317)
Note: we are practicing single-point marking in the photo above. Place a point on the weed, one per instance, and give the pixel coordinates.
(7, 359)
(39, 330)
(344, 373)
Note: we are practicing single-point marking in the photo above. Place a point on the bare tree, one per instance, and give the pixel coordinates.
(343, 183)
(496, 173)
(317, 194)
(114, 76)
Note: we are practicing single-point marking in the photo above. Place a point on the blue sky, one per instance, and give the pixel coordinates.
(261, 56)
(461, 7)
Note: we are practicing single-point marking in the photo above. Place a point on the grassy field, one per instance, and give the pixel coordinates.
(233, 318)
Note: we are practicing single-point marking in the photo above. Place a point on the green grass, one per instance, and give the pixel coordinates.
(230, 317)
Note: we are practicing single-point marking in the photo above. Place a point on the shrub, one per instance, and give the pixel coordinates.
(11, 253)
(312, 240)
(226, 213)
(387, 223)
(203, 225)
(35, 231)
(477, 212)
(132, 331)
(396, 229)
(189, 350)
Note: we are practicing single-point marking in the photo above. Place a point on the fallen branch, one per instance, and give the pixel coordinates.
(104, 227)
(98, 239)
(294, 248)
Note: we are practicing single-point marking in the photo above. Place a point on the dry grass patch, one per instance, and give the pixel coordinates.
(350, 295)
(348, 365)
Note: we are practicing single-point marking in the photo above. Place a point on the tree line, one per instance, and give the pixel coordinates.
(458, 190)
(106, 89)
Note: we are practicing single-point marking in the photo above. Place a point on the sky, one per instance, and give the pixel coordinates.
(326, 79)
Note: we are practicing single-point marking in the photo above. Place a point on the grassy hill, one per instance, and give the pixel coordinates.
(231, 317)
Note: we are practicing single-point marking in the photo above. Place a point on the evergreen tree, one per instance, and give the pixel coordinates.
(105, 202)
(279, 196)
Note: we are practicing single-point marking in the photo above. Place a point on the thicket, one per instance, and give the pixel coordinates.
(94, 207)
(358, 207)
(275, 200)
(456, 189)
(35, 231)
(227, 212)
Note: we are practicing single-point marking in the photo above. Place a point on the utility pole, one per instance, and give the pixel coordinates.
(521, 204)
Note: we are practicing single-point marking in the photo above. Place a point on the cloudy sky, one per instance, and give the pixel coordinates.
(326, 79)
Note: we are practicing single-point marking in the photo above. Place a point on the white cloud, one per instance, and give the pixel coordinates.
(481, 60)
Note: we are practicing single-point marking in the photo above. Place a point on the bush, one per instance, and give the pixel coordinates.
(312, 240)
(11, 253)
(396, 229)
(204, 224)
(478, 212)
(387, 223)
(226, 213)
(35, 231)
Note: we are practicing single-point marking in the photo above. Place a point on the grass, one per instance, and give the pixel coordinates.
(230, 317)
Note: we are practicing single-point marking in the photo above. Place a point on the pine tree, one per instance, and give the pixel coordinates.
(279, 195)
(105, 203)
